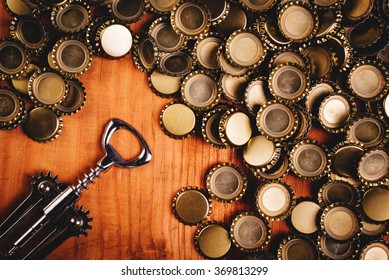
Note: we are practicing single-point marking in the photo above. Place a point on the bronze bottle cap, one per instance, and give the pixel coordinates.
(12, 109)
(373, 167)
(378, 250)
(367, 33)
(277, 121)
(165, 37)
(289, 82)
(226, 182)
(329, 22)
(279, 170)
(334, 249)
(250, 232)
(127, 11)
(74, 100)
(304, 124)
(200, 90)
(177, 120)
(310, 160)
(369, 130)
(326, 3)
(338, 191)
(275, 200)
(30, 33)
(42, 125)
(261, 152)
(357, 10)
(190, 19)
(145, 52)
(369, 80)
(212, 240)
(245, 48)
(206, 49)
(210, 127)
(336, 111)
(47, 88)
(268, 27)
(289, 56)
(341, 221)
(18, 7)
(14, 59)
(228, 68)
(235, 19)
(71, 56)
(319, 60)
(317, 93)
(341, 51)
(218, 10)
(375, 204)
(300, 30)
(374, 229)
(21, 83)
(257, 94)
(297, 248)
(72, 16)
(234, 88)
(235, 128)
(161, 6)
(177, 63)
(191, 205)
(304, 217)
(164, 85)
(258, 6)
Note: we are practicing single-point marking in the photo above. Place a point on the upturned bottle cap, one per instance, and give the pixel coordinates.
(12, 109)
(177, 120)
(357, 10)
(256, 94)
(378, 250)
(334, 249)
(234, 88)
(145, 52)
(161, 7)
(235, 19)
(329, 21)
(18, 7)
(375, 204)
(226, 66)
(341, 50)
(14, 59)
(218, 10)
(317, 93)
(235, 128)
(258, 6)
(210, 127)
(177, 63)
(206, 49)
(74, 100)
(359, 39)
(72, 16)
(373, 167)
(374, 229)
(164, 85)
(297, 248)
(289, 56)
(21, 83)
(369, 130)
(279, 170)
(127, 11)
(304, 217)
(268, 27)
(338, 191)
(346, 156)
(319, 60)
(165, 37)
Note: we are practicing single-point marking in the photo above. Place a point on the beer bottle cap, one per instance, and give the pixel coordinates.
(18, 8)
(279, 170)
(289, 56)
(164, 85)
(21, 83)
(317, 93)
(375, 204)
(145, 53)
(127, 11)
(329, 22)
(235, 19)
(210, 127)
(14, 58)
(257, 94)
(338, 191)
(319, 60)
(261, 152)
(304, 217)
(72, 16)
(74, 100)
(268, 27)
(12, 109)
(258, 6)
(341, 51)
(235, 128)
(234, 88)
(177, 63)
(373, 167)
(334, 249)
(206, 49)
(218, 10)
(297, 247)
(374, 229)
(357, 10)
(165, 37)
(161, 7)
(358, 37)
(378, 250)
(226, 67)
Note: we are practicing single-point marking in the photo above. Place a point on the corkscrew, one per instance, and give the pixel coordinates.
(49, 216)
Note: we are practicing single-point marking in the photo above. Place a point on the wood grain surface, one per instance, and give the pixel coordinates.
(131, 208)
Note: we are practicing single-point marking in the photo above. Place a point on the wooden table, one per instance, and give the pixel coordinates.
(131, 208)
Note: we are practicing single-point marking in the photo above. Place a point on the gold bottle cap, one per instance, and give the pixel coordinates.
(165, 37)
(235, 128)
(191, 205)
(369, 80)
(310, 160)
(336, 111)
(177, 120)
(360, 38)
(200, 90)
(210, 127)
(212, 240)
(12, 109)
(250, 232)
(375, 204)
(72, 57)
(317, 93)
(218, 10)
(127, 11)
(302, 29)
(277, 121)
(190, 19)
(226, 182)
(176, 63)
(206, 49)
(304, 217)
(74, 100)
(21, 83)
(161, 6)
(268, 27)
(258, 6)
(304, 124)
(256, 94)
(14, 58)
(72, 16)
(378, 250)
(326, 3)
(275, 200)
(338, 191)
(341, 51)
(373, 167)
(334, 249)
(289, 82)
(341, 221)
(369, 130)
(289, 56)
(226, 67)
(278, 171)
(18, 7)
(346, 156)
(236, 19)
(329, 22)
(42, 125)
(245, 48)
(297, 248)
(30, 33)
(145, 53)
(356, 10)
(164, 85)
(319, 60)
(261, 152)
(375, 229)
(47, 88)
(234, 88)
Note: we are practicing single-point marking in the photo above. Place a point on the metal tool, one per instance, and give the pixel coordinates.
(48, 216)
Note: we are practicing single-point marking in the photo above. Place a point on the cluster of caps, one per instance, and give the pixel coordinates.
(256, 76)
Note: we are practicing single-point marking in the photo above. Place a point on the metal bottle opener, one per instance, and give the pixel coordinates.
(48, 216)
